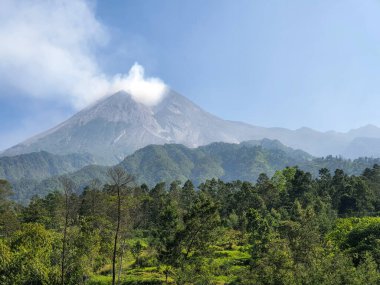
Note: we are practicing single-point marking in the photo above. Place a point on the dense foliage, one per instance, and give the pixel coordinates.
(290, 228)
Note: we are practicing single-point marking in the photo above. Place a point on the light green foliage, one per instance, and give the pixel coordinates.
(30, 256)
(344, 226)
(196, 272)
(136, 251)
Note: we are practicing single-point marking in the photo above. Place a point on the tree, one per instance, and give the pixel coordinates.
(165, 234)
(29, 256)
(188, 195)
(68, 186)
(136, 251)
(267, 190)
(260, 235)
(364, 240)
(273, 267)
(157, 200)
(5, 191)
(199, 225)
(120, 180)
(8, 212)
(175, 191)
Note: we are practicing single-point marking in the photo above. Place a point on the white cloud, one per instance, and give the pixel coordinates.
(47, 49)
(148, 91)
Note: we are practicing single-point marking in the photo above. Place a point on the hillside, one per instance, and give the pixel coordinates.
(41, 165)
(166, 163)
(218, 160)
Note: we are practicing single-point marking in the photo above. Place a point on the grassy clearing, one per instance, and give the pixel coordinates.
(225, 263)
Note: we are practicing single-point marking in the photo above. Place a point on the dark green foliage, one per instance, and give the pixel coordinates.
(165, 232)
(363, 240)
(245, 161)
(172, 162)
(289, 228)
(199, 224)
(8, 210)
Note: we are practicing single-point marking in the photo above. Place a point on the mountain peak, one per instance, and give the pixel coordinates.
(119, 107)
(117, 125)
(370, 131)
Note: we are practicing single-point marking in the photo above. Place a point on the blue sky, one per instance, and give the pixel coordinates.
(269, 63)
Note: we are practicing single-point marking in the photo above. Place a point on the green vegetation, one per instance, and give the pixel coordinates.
(40, 165)
(287, 229)
(171, 162)
(27, 170)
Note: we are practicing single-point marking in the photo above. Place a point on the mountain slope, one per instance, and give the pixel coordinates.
(245, 161)
(41, 165)
(116, 126)
(363, 146)
(218, 160)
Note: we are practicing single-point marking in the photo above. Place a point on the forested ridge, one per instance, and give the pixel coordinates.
(166, 163)
(290, 228)
(41, 165)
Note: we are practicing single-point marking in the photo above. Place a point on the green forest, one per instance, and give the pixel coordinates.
(290, 228)
(39, 172)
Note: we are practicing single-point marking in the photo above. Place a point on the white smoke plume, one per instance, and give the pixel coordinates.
(148, 91)
(47, 50)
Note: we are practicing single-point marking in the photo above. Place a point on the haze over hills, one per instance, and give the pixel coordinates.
(41, 165)
(116, 126)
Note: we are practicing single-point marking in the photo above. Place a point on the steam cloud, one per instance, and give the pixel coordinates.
(148, 91)
(47, 49)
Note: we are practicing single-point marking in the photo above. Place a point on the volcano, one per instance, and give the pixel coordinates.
(117, 125)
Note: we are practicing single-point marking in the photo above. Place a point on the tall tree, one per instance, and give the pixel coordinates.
(199, 225)
(188, 195)
(68, 187)
(165, 232)
(120, 180)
